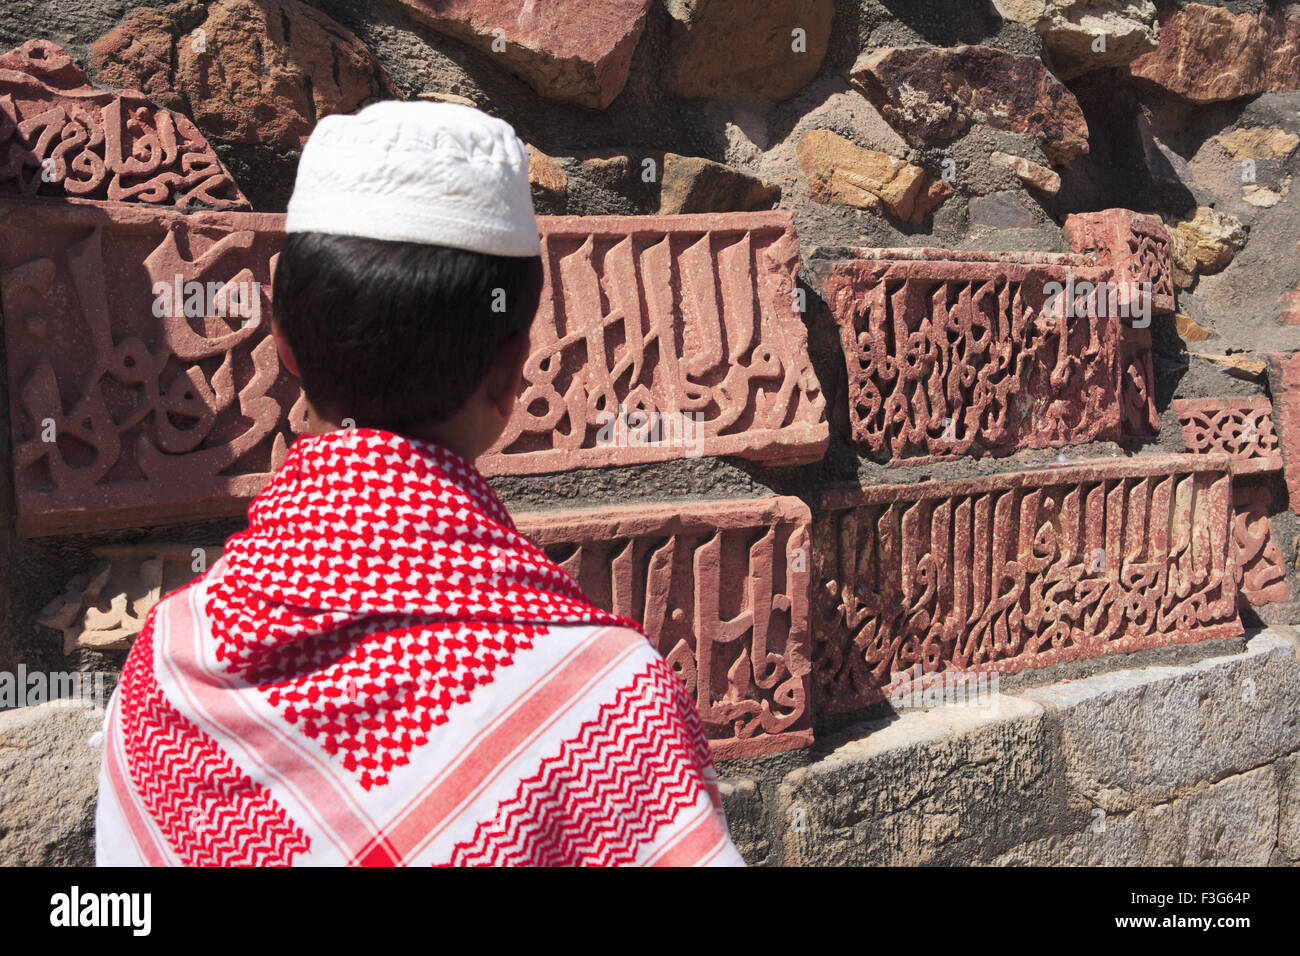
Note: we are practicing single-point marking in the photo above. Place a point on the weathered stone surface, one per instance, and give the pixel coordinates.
(1204, 244)
(1280, 613)
(439, 96)
(962, 353)
(247, 72)
(1258, 142)
(721, 589)
(1085, 35)
(1134, 245)
(1228, 823)
(1261, 567)
(1208, 54)
(1144, 736)
(1241, 427)
(577, 51)
(1261, 197)
(1036, 177)
(549, 182)
(1000, 210)
(1108, 840)
(1013, 571)
(932, 94)
(662, 338)
(1235, 364)
(746, 818)
(61, 137)
(1192, 330)
(693, 184)
(125, 409)
(1288, 822)
(1290, 304)
(609, 168)
(51, 774)
(1102, 771)
(945, 786)
(105, 608)
(840, 171)
(1284, 385)
(746, 49)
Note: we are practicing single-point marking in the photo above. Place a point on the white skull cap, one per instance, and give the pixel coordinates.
(437, 173)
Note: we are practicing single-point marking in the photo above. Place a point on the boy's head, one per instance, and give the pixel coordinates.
(411, 272)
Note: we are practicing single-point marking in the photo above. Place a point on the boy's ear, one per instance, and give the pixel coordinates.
(506, 374)
(282, 346)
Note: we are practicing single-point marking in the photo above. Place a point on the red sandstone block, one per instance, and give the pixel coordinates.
(1240, 427)
(1261, 567)
(1012, 571)
(689, 323)
(579, 51)
(62, 137)
(952, 354)
(721, 589)
(1136, 246)
(1284, 385)
(121, 414)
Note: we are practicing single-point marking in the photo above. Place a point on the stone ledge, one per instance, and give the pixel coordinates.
(1187, 767)
(1229, 823)
(1140, 736)
(746, 817)
(1288, 822)
(927, 788)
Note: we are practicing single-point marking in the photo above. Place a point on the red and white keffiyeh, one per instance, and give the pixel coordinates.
(381, 670)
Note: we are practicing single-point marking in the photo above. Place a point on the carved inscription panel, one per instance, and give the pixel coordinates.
(1019, 570)
(721, 589)
(61, 137)
(143, 387)
(949, 358)
(136, 399)
(1135, 245)
(666, 337)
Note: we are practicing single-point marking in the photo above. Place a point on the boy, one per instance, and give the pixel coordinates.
(380, 669)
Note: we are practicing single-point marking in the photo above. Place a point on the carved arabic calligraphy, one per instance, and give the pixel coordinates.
(59, 136)
(1020, 570)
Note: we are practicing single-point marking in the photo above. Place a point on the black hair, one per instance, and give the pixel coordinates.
(397, 334)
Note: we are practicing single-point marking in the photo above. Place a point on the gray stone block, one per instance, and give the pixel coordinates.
(1230, 823)
(1000, 210)
(1287, 771)
(1138, 737)
(1108, 840)
(49, 774)
(746, 818)
(944, 786)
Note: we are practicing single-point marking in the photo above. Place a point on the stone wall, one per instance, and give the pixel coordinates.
(849, 263)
